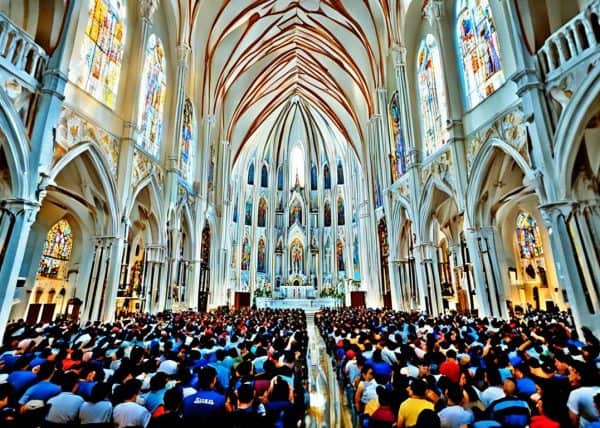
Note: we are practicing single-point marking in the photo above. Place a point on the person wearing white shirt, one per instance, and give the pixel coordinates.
(64, 407)
(129, 413)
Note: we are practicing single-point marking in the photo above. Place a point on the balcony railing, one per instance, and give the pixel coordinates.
(19, 53)
(572, 42)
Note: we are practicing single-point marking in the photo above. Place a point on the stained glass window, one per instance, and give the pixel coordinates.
(235, 213)
(154, 91)
(280, 179)
(296, 213)
(98, 67)
(313, 177)
(340, 173)
(326, 177)
(251, 173)
(340, 256)
(57, 251)
(355, 258)
(248, 217)
(528, 237)
(262, 212)
(398, 152)
(264, 177)
(432, 94)
(260, 263)
(327, 214)
(185, 161)
(340, 211)
(245, 262)
(479, 50)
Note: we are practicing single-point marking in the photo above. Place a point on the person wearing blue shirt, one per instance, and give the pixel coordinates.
(21, 378)
(206, 408)
(44, 389)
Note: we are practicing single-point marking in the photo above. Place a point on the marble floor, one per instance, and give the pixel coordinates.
(329, 406)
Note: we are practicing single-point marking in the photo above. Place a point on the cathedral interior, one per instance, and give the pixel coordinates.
(426, 155)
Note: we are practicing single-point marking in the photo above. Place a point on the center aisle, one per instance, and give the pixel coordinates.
(328, 405)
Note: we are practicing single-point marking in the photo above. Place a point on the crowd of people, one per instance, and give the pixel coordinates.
(219, 369)
(407, 370)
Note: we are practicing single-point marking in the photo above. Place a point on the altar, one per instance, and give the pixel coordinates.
(295, 292)
(306, 304)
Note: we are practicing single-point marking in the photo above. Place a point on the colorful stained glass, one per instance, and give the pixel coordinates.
(248, 217)
(340, 256)
(260, 262)
(528, 237)
(479, 50)
(280, 179)
(432, 94)
(398, 151)
(326, 177)
(340, 211)
(327, 214)
(340, 173)
(296, 213)
(313, 177)
(57, 250)
(98, 67)
(297, 257)
(245, 262)
(262, 212)
(355, 258)
(153, 94)
(251, 173)
(264, 177)
(187, 136)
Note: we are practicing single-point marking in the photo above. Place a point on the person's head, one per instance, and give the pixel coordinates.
(244, 369)
(173, 399)
(245, 393)
(492, 375)
(99, 392)
(454, 394)
(46, 370)
(561, 362)
(428, 419)
(451, 353)
(280, 390)
(131, 389)
(417, 388)
(367, 372)
(207, 378)
(509, 387)
(384, 396)
(5, 391)
(69, 382)
(433, 393)
(158, 381)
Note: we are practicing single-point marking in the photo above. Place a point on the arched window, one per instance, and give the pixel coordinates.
(262, 212)
(57, 251)
(326, 177)
(340, 211)
(98, 68)
(248, 219)
(280, 179)
(152, 101)
(398, 152)
(187, 136)
(355, 258)
(245, 261)
(339, 250)
(528, 237)
(313, 177)
(261, 258)
(432, 94)
(297, 166)
(264, 177)
(295, 213)
(340, 173)
(327, 214)
(251, 173)
(479, 50)
(235, 213)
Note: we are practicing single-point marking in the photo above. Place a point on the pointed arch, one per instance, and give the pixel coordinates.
(261, 256)
(251, 173)
(248, 213)
(327, 214)
(340, 172)
(313, 177)
(262, 212)
(341, 220)
(427, 204)
(151, 182)
(264, 177)
(326, 177)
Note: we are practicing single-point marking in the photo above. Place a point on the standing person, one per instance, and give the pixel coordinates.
(206, 408)
(454, 415)
(64, 407)
(583, 380)
(510, 411)
(366, 390)
(413, 405)
(170, 417)
(250, 412)
(97, 411)
(129, 413)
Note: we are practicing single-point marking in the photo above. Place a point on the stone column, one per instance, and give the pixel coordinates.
(16, 218)
(393, 266)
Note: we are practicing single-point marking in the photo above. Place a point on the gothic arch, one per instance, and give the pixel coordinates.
(151, 183)
(480, 172)
(14, 141)
(428, 202)
(101, 167)
(567, 138)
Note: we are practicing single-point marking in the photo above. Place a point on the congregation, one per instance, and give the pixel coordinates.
(406, 370)
(223, 368)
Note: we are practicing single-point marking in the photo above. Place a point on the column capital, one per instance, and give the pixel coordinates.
(22, 207)
(554, 209)
(183, 55)
(147, 8)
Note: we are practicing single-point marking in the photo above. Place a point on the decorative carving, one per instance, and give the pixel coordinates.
(440, 167)
(143, 166)
(73, 129)
(511, 128)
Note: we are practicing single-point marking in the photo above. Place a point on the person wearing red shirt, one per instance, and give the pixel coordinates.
(450, 368)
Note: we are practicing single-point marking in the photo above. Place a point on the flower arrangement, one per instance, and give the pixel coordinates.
(331, 292)
(263, 291)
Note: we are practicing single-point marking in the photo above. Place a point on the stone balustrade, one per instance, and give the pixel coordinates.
(572, 42)
(19, 53)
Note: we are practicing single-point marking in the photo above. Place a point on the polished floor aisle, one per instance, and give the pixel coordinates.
(328, 404)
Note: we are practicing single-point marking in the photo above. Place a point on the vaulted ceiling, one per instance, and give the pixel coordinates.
(253, 57)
